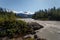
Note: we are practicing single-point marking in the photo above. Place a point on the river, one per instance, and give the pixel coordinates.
(51, 30)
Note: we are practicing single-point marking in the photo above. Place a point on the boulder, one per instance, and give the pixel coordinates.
(34, 25)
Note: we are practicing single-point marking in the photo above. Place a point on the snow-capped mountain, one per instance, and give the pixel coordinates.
(24, 14)
(27, 12)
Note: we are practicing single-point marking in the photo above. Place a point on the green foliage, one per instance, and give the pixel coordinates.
(50, 14)
(9, 26)
(12, 28)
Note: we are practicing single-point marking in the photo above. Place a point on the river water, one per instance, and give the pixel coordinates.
(51, 30)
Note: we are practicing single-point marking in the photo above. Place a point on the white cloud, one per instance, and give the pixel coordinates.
(18, 11)
(27, 12)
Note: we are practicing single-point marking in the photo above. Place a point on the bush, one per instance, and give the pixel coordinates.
(11, 28)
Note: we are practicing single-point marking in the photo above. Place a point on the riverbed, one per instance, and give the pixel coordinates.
(51, 30)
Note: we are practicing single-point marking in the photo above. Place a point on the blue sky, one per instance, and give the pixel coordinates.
(29, 5)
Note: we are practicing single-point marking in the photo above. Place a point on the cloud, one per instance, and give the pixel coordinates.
(26, 12)
(18, 11)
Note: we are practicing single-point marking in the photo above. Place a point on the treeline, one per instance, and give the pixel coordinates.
(5, 14)
(9, 26)
(47, 14)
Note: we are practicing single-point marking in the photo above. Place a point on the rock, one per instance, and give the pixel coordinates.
(35, 36)
(34, 25)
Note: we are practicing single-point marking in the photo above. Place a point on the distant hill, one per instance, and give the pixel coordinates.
(22, 15)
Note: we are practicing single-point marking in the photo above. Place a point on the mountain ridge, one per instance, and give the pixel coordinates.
(24, 15)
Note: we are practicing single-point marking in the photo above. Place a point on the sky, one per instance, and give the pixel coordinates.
(29, 5)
